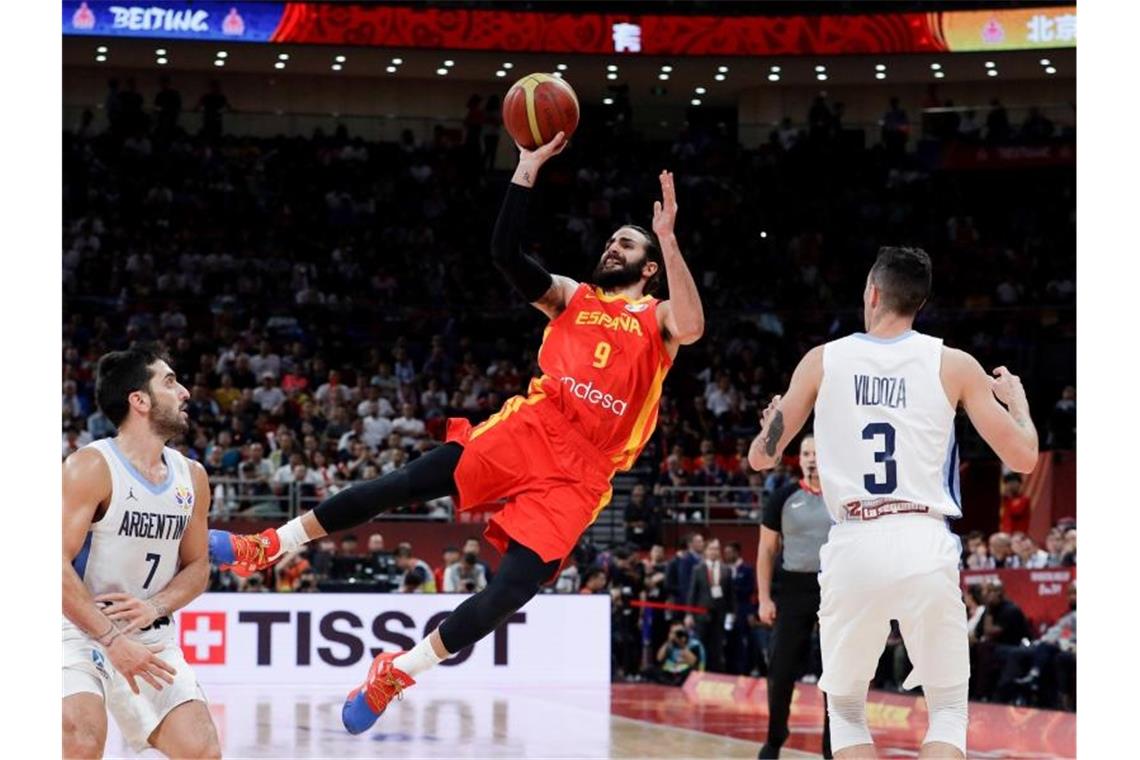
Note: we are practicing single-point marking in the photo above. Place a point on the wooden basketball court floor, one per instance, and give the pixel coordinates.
(438, 721)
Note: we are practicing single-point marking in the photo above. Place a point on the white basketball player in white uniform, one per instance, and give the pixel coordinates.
(884, 403)
(134, 551)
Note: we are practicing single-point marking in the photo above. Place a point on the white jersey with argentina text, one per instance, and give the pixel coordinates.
(134, 547)
(884, 429)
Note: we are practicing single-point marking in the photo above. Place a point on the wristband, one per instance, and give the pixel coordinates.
(159, 609)
(113, 633)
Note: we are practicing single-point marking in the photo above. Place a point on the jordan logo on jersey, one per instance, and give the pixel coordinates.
(131, 494)
(880, 391)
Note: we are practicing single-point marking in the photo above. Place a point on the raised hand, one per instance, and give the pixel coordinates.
(540, 154)
(665, 210)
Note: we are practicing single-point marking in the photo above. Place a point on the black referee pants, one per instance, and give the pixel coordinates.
(797, 611)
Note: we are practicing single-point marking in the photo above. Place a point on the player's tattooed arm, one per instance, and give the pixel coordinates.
(775, 433)
(785, 415)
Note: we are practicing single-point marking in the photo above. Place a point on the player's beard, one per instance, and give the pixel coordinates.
(615, 279)
(167, 423)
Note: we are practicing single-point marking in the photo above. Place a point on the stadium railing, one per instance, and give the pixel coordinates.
(241, 498)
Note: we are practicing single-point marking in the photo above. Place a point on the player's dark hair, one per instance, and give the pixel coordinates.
(652, 253)
(119, 374)
(903, 276)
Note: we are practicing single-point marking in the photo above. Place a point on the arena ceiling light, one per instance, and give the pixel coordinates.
(398, 61)
(722, 69)
(935, 66)
(1046, 62)
(500, 73)
(607, 101)
(611, 76)
(880, 75)
(990, 64)
(700, 90)
(221, 54)
(391, 69)
(667, 68)
(611, 67)
(100, 58)
(558, 75)
(449, 63)
(880, 67)
(939, 74)
(820, 69)
(763, 233)
(279, 65)
(337, 67)
(340, 59)
(992, 72)
(508, 65)
(160, 61)
(1050, 70)
(160, 51)
(821, 77)
(282, 56)
(442, 71)
(663, 76)
(719, 77)
(695, 101)
(222, 62)
(775, 69)
(102, 49)
(773, 77)
(562, 67)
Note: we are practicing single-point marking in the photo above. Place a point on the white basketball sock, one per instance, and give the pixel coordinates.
(421, 657)
(292, 535)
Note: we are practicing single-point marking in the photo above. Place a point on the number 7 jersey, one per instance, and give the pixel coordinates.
(884, 429)
(134, 547)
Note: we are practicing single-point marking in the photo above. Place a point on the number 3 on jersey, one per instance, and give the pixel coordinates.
(602, 354)
(886, 456)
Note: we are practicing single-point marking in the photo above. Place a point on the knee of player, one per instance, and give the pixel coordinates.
(82, 741)
(203, 748)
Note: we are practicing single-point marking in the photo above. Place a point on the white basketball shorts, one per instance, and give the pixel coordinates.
(86, 668)
(899, 567)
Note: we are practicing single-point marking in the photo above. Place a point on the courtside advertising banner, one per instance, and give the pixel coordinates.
(331, 638)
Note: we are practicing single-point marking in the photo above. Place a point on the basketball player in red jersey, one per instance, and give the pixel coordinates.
(552, 453)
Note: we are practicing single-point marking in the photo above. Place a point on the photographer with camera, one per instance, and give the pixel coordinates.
(677, 657)
(465, 576)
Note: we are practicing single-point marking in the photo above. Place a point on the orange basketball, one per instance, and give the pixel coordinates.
(538, 107)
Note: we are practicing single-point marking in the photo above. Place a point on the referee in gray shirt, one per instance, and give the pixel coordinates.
(794, 516)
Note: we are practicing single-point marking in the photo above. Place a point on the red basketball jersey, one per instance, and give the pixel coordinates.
(603, 361)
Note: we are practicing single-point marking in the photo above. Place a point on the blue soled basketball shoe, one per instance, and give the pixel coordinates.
(367, 702)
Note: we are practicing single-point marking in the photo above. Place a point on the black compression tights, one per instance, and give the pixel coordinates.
(430, 477)
(519, 577)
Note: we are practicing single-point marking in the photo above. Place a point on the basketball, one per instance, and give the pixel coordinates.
(538, 107)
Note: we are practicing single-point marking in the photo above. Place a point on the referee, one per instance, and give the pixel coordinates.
(795, 515)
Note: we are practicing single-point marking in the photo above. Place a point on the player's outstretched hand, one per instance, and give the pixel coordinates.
(135, 660)
(1007, 387)
(665, 210)
(539, 155)
(127, 612)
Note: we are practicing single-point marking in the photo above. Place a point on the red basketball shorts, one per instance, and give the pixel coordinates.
(550, 481)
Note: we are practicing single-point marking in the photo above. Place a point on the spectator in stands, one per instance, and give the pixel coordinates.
(975, 555)
(450, 557)
(721, 397)
(677, 657)
(1003, 625)
(679, 572)
(711, 588)
(332, 392)
(1047, 666)
(595, 581)
(465, 576)
(255, 583)
(265, 361)
(975, 609)
(654, 568)
(73, 406)
(1069, 548)
(969, 128)
(1055, 548)
(642, 520)
(1015, 506)
(268, 396)
(410, 427)
(997, 123)
(322, 557)
(1063, 421)
(1028, 555)
(418, 576)
(227, 394)
(1001, 551)
(288, 571)
(472, 545)
(212, 105)
(739, 656)
(895, 128)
